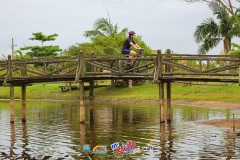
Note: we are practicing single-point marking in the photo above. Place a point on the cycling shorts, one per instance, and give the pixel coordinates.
(125, 51)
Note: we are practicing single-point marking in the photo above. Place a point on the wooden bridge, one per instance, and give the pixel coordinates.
(159, 68)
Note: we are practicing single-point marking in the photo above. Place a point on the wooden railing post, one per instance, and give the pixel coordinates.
(168, 67)
(45, 68)
(200, 65)
(159, 64)
(23, 71)
(120, 66)
(81, 69)
(9, 68)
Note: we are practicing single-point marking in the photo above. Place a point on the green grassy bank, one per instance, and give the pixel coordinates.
(146, 91)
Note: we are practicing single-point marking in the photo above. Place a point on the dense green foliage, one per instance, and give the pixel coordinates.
(104, 45)
(104, 39)
(235, 49)
(39, 51)
(104, 27)
(210, 32)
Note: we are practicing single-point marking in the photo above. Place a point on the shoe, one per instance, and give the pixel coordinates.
(129, 67)
(128, 62)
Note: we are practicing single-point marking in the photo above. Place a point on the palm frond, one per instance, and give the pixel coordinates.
(123, 32)
(208, 44)
(208, 28)
(104, 27)
(91, 33)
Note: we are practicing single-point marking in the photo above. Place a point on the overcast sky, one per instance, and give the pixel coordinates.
(161, 23)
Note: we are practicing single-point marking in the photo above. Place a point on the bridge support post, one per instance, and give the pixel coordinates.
(130, 81)
(10, 77)
(169, 110)
(23, 103)
(11, 104)
(168, 70)
(160, 85)
(82, 102)
(161, 101)
(91, 98)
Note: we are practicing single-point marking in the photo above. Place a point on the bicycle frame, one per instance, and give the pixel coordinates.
(141, 65)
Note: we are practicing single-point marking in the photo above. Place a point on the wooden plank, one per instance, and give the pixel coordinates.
(181, 66)
(223, 68)
(60, 69)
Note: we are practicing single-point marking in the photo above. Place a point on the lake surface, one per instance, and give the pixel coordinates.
(52, 131)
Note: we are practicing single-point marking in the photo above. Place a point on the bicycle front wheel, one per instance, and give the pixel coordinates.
(124, 64)
(145, 67)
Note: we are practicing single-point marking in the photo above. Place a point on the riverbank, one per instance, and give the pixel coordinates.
(214, 95)
(205, 94)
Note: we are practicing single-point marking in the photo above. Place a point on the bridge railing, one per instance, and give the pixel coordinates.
(222, 67)
(95, 67)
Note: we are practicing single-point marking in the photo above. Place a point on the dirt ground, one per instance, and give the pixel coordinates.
(226, 123)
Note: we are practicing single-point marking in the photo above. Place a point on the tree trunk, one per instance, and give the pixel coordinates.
(226, 45)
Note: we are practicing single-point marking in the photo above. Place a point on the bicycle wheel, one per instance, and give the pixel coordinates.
(115, 64)
(144, 66)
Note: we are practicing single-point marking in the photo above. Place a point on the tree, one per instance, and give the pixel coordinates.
(227, 5)
(104, 27)
(211, 33)
(41, 51)
(105, 39)
(104, 45)
(39, 36)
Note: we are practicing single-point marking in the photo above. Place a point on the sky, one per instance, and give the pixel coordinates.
(162, 24)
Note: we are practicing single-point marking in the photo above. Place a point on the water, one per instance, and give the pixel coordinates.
(52, 131)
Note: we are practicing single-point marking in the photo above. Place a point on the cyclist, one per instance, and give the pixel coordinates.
(126, 48)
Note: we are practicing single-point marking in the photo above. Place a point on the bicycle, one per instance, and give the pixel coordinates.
(142, 64)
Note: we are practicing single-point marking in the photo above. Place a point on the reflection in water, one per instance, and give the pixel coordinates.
(53, 131)
(82, 135)
(24, 140)
(162, 141)
(12, 139)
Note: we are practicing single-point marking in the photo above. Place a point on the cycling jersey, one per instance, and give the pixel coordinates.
(126, 44)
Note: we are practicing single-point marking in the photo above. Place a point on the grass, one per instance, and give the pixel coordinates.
(146, 91)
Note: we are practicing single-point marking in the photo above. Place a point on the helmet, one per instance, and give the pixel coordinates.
(131, 33)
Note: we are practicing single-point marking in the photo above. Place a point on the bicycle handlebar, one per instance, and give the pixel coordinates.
(141, 51)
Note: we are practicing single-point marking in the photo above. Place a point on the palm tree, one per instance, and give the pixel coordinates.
(210, 33)
(104, 27)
